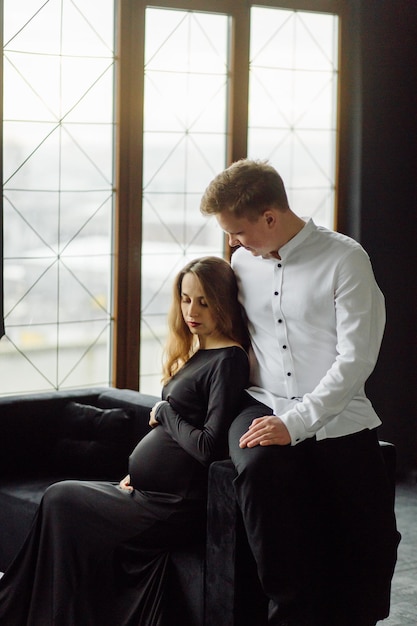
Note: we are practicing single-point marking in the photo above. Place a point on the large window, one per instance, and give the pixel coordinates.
(190, 83)
(57, 194)
(293, 104)
(95, 230)
(185, 125)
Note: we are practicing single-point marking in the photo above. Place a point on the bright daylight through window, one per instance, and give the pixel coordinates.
(292, 122)
(59, 161)
(57, 194)
(293, 104)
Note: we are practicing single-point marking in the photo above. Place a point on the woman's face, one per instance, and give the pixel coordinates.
(195, 310)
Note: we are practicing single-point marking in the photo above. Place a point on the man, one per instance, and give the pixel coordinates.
(311, 481)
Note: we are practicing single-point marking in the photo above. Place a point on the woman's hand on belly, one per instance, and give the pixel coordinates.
(152, 421)
(125, 484)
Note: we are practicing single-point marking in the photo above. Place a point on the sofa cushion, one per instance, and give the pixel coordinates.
(95, 442)
(30, 424)
(136, 403)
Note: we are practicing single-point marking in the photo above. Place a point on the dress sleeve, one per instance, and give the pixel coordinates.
(360, 320)
(226, 384)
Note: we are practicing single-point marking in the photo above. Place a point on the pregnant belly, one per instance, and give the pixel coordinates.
(158, 463)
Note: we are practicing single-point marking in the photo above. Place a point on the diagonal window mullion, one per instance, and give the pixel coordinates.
(45, 243)
(66, 105)
(83, 355)
(54, 262)
(82, 285)
(313, 157)
(22, 76)
(22, 28)
(30, 361)
(270, 96)
(88, 220)
(163, 223)
(31, 154)
(87, 156)
(90, 25)
(316, 97)
(166, 40)
(166, 159)
(316, 41)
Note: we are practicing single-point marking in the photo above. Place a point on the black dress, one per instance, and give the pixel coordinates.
(96, 554)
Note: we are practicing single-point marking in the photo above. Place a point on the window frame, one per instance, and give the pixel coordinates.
(128, 157)
(1, 176)
(86, 348)
(130, 25)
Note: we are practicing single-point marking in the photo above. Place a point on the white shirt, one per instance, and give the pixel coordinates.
(316, 319)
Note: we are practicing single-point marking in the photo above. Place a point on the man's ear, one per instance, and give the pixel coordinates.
(269, 218)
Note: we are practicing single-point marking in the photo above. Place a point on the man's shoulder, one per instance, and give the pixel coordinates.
(335, 240)
(334, 235)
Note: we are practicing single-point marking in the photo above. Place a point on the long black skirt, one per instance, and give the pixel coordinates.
(96, 556)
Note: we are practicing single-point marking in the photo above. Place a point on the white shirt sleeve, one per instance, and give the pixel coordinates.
(360, 320)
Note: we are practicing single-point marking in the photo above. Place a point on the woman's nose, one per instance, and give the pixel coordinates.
(192, 310)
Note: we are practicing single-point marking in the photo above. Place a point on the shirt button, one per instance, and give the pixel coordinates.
(288, 373)
(276, 293)
(279, 265)
(279, 321)
(284, 347)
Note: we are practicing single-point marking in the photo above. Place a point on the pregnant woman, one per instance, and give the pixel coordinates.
(97, 552)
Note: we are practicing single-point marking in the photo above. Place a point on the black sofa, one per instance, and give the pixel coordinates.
(47, 437)
(53, 436)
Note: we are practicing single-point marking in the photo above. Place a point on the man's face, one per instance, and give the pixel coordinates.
(255, 236)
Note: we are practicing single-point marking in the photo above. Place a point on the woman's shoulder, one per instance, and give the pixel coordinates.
(226, 348)
(233, 351)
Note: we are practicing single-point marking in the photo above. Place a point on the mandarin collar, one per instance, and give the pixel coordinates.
(298, 239)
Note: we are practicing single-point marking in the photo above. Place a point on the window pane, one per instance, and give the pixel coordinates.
(293, 104)
(186, 67)
(58, 194)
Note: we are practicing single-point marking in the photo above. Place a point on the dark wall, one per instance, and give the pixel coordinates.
(382, 198)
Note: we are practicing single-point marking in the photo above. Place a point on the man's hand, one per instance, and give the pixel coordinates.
(268, 430)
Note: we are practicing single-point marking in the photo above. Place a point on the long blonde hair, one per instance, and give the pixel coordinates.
(220, 290)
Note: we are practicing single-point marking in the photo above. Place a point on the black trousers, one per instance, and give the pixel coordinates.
(320, 522)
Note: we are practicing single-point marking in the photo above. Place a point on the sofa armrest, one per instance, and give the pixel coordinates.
(233, 591)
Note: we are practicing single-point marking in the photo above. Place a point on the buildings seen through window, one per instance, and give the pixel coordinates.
(60, 196)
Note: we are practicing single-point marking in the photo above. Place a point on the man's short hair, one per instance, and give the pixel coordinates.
(247, 189)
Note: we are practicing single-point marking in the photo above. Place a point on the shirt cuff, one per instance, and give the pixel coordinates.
(295, 427)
